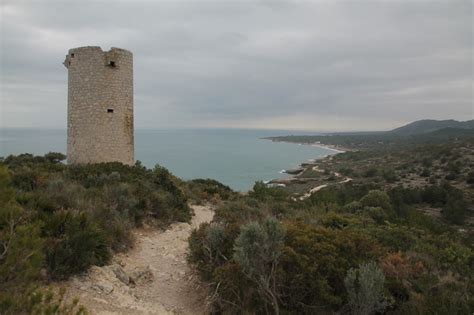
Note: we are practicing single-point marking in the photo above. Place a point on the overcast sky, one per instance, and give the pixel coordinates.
(316, 65)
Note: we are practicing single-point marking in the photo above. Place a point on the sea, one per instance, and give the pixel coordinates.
(235, 157)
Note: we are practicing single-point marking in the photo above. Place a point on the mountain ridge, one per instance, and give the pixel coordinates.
(430, 125)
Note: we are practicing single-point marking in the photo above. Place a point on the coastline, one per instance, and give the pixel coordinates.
(332, 147)
(303, 166)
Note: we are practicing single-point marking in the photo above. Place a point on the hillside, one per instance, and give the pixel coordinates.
(413, 134)
(57, 221)
(428, 125)
(384, 229)
(395, 225)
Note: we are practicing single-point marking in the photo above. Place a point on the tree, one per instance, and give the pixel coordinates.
(365, 289)
(54, 157)
(257, 250)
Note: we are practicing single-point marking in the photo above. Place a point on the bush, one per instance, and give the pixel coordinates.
(451, 176)
(340, 195)
(262, 192)
(74, 245)
(211, 247)
(455, 210)
(376, 198)
(21, 256)
(315, 262)
(425, 173)
(353, 207)
(365, 289)
(55, 157)
(377, 214)
(257, 250)
(402, 273)
(83, 212)
(209, 190)
(436, 194)
(470, 178)
(377, 206)
(371, 172)
(389, 175)
(40, 301)
(346, 171)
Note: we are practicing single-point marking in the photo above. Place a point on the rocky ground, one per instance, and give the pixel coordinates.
(152, 278)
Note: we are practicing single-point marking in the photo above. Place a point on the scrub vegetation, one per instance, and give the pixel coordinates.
(58, 220)
(391, 231)
(379, 229)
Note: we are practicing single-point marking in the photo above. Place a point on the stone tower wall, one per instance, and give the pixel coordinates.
(100, 105)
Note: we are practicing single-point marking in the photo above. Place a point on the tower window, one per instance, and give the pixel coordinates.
(112, 64)
(110, 110)
(72, 55)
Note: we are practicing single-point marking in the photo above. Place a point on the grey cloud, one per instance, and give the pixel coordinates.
(322, 65)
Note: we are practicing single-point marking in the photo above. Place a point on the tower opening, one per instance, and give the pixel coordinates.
(112, 64)
(110, 110)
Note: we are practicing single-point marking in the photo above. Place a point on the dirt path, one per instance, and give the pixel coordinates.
(312, 191)
(318, 188)
(152, 278)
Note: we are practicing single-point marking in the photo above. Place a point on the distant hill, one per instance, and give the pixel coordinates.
(428, 125)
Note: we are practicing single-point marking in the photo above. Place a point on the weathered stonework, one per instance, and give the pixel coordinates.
(100, 105)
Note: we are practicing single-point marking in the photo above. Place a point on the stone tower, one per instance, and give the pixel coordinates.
(100, 105)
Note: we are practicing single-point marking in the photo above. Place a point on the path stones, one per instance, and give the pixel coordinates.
(120, 273)
(141, 274)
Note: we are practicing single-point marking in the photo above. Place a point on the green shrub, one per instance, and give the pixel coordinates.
(365, 289)
(26, 179)
(55, 157)
(346, 171)
(455, 210)
(371, 172)
(262, 192)
(378, 206)
(353, 207)
(340, 194)
(451, 176)
(389, 175)
(315, 262)
(74, 244)
(257, 250)
(209, 190)
(377, 214)
(211, 247)
(425, 173)
(470, 178)
(21, 256)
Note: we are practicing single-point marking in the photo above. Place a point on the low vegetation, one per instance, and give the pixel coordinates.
(57, 220)
(350, 248)
(387, 228)
(381, 140)
(390, 231)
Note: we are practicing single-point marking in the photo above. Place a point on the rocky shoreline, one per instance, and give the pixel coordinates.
(318, 144)
(282, 182)
(295, 178)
